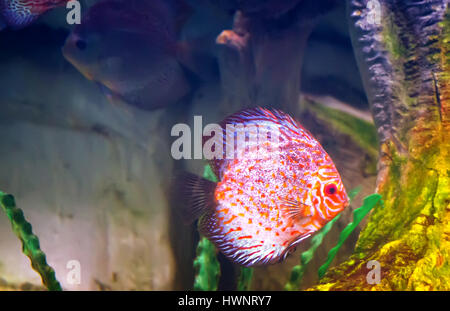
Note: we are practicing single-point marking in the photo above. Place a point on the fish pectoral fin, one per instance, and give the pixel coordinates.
(292, 209)
(196, 194)
(292, 246)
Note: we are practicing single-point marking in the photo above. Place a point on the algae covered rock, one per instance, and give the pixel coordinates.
(404, 58)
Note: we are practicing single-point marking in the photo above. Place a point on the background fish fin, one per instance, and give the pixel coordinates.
(107, 92)
(197, 195)
(114, 99)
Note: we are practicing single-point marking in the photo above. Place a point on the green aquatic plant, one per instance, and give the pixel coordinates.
(209, 174)
(206, 265)
(245, 279)
(30, 242)
(358, 214)
(299, 270)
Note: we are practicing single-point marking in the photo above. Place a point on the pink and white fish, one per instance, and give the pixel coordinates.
(262, 207)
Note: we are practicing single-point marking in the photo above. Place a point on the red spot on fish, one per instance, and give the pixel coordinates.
(245, 237)
(250, 247)
(230, 220)
(224, 210)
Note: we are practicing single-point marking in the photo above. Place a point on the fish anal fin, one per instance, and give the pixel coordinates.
(238, 249)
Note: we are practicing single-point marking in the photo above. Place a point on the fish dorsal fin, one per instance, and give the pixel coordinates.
(258, 116)
(197, 194)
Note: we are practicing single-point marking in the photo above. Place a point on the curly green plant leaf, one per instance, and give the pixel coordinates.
(358, 215)
(298, 270)
(206, 265)
(30, 242)
(245, 279)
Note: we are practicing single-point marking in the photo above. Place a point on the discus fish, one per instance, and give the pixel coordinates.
(264, 206)
(21, 13)
(130, 48)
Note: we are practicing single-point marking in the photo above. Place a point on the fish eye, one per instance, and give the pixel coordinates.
(330, 189)
(81, 44)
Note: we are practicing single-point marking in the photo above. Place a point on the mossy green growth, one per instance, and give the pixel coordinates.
(245, 279)
(206, 265)
(358, 215)
(363, 133)
(391, 38)
(30, 242)
(298, 270)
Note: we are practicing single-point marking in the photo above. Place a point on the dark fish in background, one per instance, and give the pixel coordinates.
(17, 14)
(130, 48)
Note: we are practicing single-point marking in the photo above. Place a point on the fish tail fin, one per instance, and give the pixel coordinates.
(196, 195)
